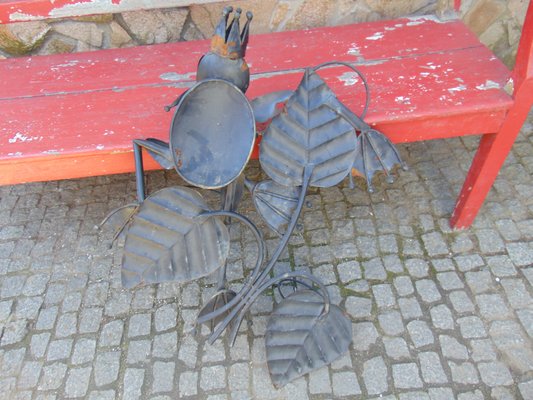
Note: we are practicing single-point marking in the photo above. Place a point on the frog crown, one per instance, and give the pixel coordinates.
(227, 40)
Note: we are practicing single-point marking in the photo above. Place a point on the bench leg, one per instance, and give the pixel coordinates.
(490, 156)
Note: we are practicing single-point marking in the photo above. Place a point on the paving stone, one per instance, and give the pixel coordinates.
(391, 323)
(29, 375)
(501, 266)
(432, 371)
(406, 376)
(441, 317)
(188, 350)
(490, 241)
(417, 395)
(239, 376)
(66, 325)
(12, 286)
(427, 290)
(35, 284)
(410, 308)
(492, 306)
(59, 349)
(188, 384)
(84, 350)
(403, 285)
(464, 373)
(479, 281)
(393, 263)
(47, 318)
(471, 327)
(90, 320)
(111, 333)
(451, 348)
(106, 368)
(349, 271)
(475, 395)
(345, 384)
(441, 393)
(39, 344)
(102, 395)
(526, 389)
(501, 393)
(420, 333)
(482, 350)
(443, 264)
(139, 325)
(364, 335)
(383, 295)
(77, 382)
(96, 294)
(521, 254)
(165, 317)
(461, 302)
(15, 331)
(118, 304)
(396, 348)
(526, 319)
(52, 376)
(165, 345)
(434, 244)
(450, 280)
(374, 269)
(163, 376)
(375, 376)
(417, 268)
(133, 382)
(469, 262)
(495, 374)
(138, 351)
(358, 307)
(213, 377)
(516, 293)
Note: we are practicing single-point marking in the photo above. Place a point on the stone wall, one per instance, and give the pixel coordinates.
(497, 22)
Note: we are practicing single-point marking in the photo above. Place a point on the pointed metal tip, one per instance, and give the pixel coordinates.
(227, 10)
(238, 12)
(249, 15)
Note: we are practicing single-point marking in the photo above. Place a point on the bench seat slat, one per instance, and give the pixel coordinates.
(176, 62)
(79, 120)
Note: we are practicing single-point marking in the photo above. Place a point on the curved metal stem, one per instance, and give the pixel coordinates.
(255, 272)
(266, 285)
(359, 73)
(308, 170)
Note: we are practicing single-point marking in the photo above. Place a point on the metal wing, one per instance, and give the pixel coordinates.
(375, 153)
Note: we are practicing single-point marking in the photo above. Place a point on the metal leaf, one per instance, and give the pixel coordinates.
(375, 153)
(169, 240)
(275, 203)
(265, 107)
(300, 338)
(308, 132)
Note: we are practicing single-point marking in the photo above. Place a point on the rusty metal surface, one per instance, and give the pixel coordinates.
(169, 240)
(212, 134)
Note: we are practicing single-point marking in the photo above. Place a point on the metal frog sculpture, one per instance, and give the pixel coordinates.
(312, 140)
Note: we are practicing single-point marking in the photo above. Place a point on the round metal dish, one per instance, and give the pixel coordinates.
(212, 134)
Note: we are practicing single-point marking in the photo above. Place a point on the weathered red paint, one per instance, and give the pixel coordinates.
(75, 115)
(34, 9)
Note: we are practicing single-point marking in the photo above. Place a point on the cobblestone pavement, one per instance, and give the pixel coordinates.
(436, 314)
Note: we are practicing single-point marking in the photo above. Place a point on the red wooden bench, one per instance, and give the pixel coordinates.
(75, 115)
